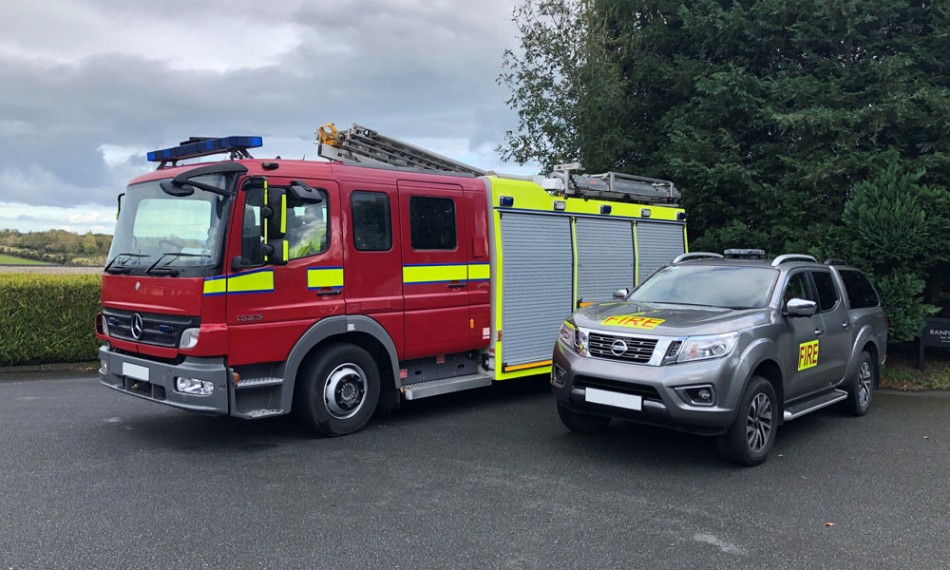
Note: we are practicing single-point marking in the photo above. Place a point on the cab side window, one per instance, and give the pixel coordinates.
(432, 223)
(827, 292)
(372, 221)
(308, 227)
(798, 287)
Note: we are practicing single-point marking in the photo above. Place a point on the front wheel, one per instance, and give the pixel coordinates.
(580, 422)
(861, 388)
(749, 439)
(337, 391)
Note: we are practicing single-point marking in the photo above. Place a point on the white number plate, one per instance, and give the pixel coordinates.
(135, 371)
(628, 401)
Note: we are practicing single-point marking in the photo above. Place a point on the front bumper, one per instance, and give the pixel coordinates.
(661, 404)
(155, 381)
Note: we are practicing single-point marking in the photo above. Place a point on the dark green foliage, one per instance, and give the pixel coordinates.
(771, 116)
(48, 318)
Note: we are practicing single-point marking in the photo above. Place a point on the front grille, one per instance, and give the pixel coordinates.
(157, 329)
(632, 349)
(642, 390)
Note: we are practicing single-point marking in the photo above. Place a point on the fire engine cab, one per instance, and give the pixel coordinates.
(259, 287)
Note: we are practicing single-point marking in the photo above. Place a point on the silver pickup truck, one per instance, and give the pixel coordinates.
(728, 346)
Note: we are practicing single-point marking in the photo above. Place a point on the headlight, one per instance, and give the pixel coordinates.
(705, 347)
(573, 338)
(189, 338)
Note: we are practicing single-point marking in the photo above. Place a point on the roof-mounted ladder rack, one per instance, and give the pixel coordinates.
(616, 185)
(792, 257)
(361, 146)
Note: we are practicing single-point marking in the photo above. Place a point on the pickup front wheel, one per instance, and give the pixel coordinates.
(750, 438)
(861, 387)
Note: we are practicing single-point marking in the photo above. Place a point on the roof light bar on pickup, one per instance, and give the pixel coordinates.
(202, 146)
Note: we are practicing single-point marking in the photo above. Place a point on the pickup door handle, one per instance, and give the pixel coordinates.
(818, 332)
(844, 324)
(456, 285)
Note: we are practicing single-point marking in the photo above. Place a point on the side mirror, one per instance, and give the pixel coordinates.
(179, 191)
(621, 293)
(274, 213)
(800, 307)
(276, 252)
(302, 192)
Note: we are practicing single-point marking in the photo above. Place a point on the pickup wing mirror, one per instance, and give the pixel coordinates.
(621, 293)
(800, 307)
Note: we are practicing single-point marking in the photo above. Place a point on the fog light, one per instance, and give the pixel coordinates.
(703, 395)
(193, 386)
(558, 375)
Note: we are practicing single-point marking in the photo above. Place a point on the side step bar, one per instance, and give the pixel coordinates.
(799, 409)
(445, 386)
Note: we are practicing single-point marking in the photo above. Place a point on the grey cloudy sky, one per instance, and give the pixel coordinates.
(89, 86)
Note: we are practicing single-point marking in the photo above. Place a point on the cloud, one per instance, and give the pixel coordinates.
(92, 85)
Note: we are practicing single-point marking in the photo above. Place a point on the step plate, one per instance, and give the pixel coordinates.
(799, 409)
(445, 386)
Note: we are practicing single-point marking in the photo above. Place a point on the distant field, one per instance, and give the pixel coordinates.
(10, 260)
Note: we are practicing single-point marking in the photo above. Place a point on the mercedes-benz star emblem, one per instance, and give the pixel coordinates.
(618, 347)
(138, 327)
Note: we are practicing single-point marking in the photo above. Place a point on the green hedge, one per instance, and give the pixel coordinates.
(48, 318)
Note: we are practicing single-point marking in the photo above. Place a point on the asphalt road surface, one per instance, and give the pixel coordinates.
(90, 478)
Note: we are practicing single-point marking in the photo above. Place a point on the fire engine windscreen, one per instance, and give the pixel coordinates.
(173, 234)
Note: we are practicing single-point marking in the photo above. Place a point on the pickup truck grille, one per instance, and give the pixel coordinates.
(622, 348)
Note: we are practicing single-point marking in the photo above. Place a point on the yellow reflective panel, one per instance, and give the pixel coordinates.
(216, 286)
(417, 274)
(479, 271)
(260, 281)
(320, 277)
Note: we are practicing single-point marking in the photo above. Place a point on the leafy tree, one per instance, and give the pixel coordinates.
(770, 115)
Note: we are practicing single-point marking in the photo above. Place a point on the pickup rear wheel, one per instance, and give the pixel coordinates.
(750, 438)
(861, 387)
(337, 391)
(580, 422)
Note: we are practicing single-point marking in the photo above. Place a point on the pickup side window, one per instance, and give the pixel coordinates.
(860, 291)
(827, 292)
(798, 287)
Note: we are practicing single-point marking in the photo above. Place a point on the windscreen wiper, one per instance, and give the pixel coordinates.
(119, 270)
(170, 270)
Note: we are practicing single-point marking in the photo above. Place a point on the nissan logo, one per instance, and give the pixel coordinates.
(138, 327)
(619, 347)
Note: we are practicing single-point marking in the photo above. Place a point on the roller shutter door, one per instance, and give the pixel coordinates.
(657, 245)
(537, 283)
(604, 258)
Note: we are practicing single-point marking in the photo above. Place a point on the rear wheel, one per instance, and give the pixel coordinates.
(861, 387)
(580, 422)
(337, 391)
(750, 438)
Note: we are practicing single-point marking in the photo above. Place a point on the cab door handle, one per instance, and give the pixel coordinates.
(456, 285)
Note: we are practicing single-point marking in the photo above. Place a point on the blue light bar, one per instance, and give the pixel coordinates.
(195, 147)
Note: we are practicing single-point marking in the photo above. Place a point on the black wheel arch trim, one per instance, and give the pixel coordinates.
(326, 329)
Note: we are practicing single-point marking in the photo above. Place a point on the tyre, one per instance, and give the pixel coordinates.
(749, 439)
(580, 422)
(861, 388)
(337, 390)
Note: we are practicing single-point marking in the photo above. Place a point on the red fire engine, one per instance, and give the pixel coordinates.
(259, 287)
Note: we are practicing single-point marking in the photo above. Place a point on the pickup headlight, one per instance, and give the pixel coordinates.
(706, 347)
(573, 338)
